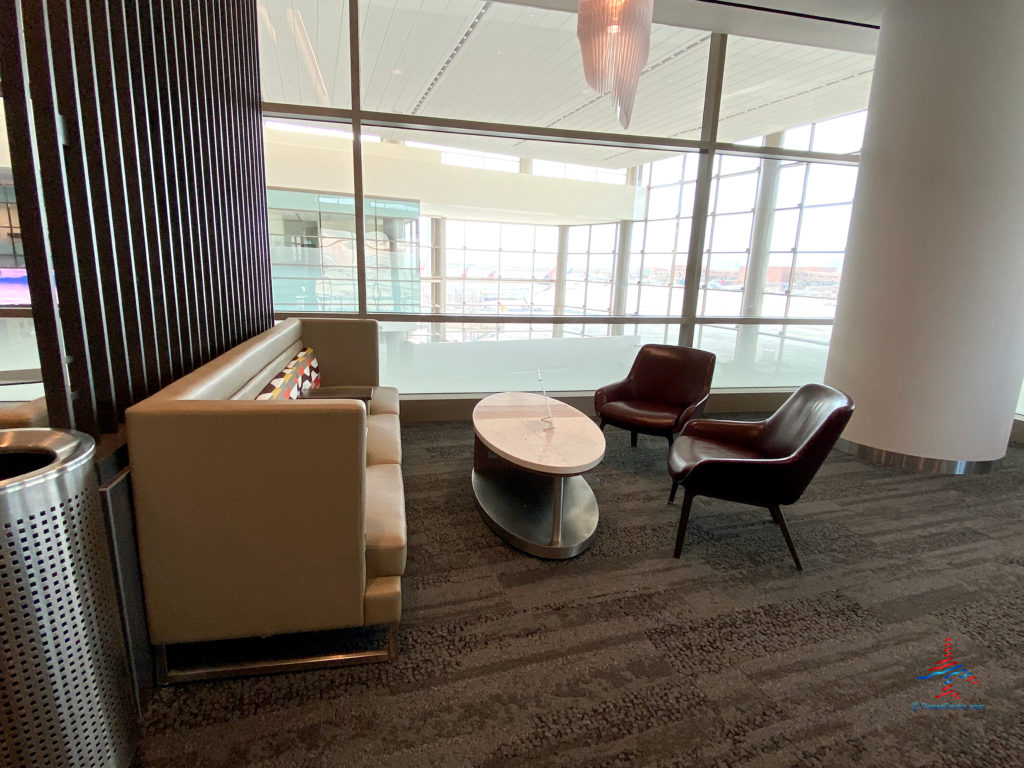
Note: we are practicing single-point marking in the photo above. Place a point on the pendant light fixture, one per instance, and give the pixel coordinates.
(615, 40)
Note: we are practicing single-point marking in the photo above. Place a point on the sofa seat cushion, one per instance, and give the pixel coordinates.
(300, 375)
(384, 400)
(383, 439)
(385, 521)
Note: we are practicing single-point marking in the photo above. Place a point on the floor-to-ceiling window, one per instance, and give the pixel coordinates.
(19, 356)
(507, 222)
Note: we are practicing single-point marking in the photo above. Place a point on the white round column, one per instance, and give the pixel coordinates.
(929, 329)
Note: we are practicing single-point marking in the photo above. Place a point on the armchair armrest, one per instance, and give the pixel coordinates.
(620, 390)
(694, 411)
(747, 434)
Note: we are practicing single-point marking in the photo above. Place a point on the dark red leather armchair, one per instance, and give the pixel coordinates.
(765, 463)
(666, 387)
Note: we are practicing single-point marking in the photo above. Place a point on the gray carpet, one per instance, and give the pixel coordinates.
(625, 656)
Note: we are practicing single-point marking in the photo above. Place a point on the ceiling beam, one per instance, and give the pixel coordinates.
(841, 25)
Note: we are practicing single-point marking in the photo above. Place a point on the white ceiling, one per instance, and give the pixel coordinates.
(515, 63)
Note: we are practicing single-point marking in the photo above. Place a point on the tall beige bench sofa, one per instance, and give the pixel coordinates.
(258, 518)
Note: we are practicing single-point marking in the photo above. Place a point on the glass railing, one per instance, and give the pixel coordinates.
(453, 357)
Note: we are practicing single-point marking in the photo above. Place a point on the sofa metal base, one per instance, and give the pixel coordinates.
(166, 675)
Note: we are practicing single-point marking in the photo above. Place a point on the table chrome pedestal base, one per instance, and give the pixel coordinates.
(520, 507)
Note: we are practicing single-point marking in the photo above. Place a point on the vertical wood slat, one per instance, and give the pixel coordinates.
(209, 178)
(246, 228)
(229, 175)
(91, 73)
(63, 253)
(245, 85)
(261, 172)
(206, 296)
(86, 268)
(180, 118)
(153, 217)
(148, 138)
(258, 212)
(166, 213)
(134, 202)
(32, 213)
(108, 89)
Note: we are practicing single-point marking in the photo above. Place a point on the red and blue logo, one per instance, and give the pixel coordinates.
(949, 671)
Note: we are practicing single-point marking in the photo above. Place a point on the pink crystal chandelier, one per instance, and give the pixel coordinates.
(615, 39)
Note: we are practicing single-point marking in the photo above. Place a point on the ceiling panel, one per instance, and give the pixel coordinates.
(771, 86)
(405, 44)
(304, 52)
(517, 64)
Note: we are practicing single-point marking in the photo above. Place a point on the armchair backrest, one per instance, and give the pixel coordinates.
(804, 429)
(664, 373)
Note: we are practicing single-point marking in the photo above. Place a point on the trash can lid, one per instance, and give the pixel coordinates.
(25, 453)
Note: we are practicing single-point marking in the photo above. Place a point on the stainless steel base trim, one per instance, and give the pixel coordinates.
(167, 675)
(917, 463)
(518, 506)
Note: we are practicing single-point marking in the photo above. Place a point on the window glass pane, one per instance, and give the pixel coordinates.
(603, 238)
(840, 135)
(13, 277)
(661, 236)
(663, 203)
(686, 203)
(579, 239)
(667, 171)
(784, 230)
(18, 348)
(653, 300)
(773, 305)
(304, 52)
(830, 184)
(683, 236)
(771, 88)
(825, 229)
(736, 193)
(657, 269)
(797, 138)
(732, 232)
(737, 164)
(791, 186)
(817, 275)
(495, 357)
(765, 355)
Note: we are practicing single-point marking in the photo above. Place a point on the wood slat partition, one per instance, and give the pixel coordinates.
(137, 153)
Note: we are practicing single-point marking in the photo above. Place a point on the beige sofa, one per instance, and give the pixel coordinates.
(259, 518)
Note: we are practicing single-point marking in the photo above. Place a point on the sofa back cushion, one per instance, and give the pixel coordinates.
(299, 377)
(225, 375)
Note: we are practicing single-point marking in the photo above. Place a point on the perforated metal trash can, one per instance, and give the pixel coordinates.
(65, 694)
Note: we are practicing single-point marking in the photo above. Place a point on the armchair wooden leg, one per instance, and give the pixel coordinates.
(672, 494)
(603, 422)
(777, 516)
(632, 439)
(684, 518)
(671, 439)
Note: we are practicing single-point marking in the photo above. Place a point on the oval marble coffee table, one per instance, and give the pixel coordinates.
(526, 473)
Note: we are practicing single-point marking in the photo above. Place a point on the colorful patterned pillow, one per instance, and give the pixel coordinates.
(300, 377)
